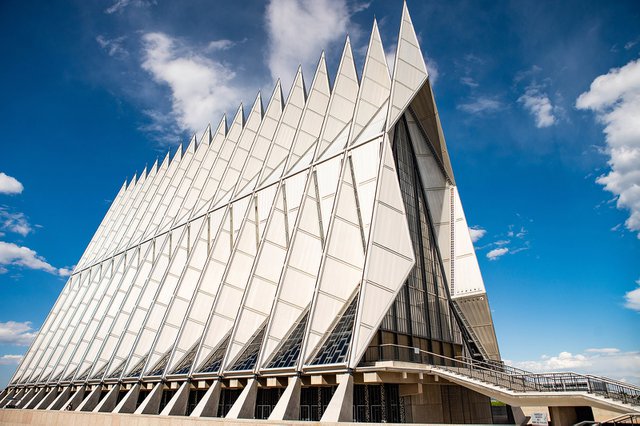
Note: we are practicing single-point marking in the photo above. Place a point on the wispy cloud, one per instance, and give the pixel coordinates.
(222, 44)
(114, 47)
(15, 222)
(16, 333)
(10, 185)
(299, 29)
(609, 362)
(479, 105)
(14, 255)
(476, 233)
(539, 106)
(202, 89)
(632, 298)
(10, 359)
(120, 5)
(496, 253)
(630, 44)
(615, 99)
(469, 81)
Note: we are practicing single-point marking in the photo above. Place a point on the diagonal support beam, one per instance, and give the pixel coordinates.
(151, 403)
(288, 406)
(75, 400)
(208, 405)
(340, 408)
(90, 402)
(178, 404)
(109, 401)
(245, 405)
(130, 400)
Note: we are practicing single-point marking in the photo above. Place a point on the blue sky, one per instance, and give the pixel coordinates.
(539, 100)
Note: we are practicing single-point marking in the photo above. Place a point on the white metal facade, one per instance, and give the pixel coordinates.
(272, 227)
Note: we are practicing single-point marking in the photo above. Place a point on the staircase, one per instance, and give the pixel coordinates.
(519, 387)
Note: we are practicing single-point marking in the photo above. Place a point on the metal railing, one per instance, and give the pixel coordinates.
(624, 419)
(514, 379)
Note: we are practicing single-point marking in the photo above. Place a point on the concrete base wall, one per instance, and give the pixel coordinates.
(13, 417)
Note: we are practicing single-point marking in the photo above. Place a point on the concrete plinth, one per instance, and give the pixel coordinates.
(178, 404)
(75, 399)
(151, 403)
(288, 406)
(340, 408)
(208, 405)
(109, 401)
(245, 405)
(91, 400)
(129, 402)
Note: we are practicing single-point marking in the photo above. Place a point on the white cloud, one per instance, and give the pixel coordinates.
(603, 350)
(10, 185)
(120, 5)
(481, 105)
(539, 105)
(615, 98)
(117, 6)
(16, 333)
(220, 45)
(476, 233)
(496, 253)
(469, 81)
(202, 89)
(432, 69)
(10, 359)
(114, 47)
(12, 254)
(14, 222)
(632, 298)
(299, 29)
(608, 362)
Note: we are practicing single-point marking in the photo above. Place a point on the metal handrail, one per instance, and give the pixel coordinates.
(509, 368)
(509, 377)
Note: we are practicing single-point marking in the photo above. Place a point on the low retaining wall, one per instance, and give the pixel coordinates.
(12, 417)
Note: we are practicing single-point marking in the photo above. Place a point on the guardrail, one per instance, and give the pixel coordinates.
(512, 378)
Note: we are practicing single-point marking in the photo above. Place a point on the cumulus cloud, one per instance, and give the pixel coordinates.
(495, 254)
(201, 89)
(10, 185)
(114, 47)
(609, 362)
(16, 333)
(476, 233)
(632, 298)
(12, 254)
(615, 99)
(14, 222)
(539, 105)
(481, 105)
(10, 359)
(299, 29)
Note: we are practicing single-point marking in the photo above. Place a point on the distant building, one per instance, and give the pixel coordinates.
(311, 261)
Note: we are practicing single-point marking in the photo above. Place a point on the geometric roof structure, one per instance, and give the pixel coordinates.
(309, 261)
(275, 244)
